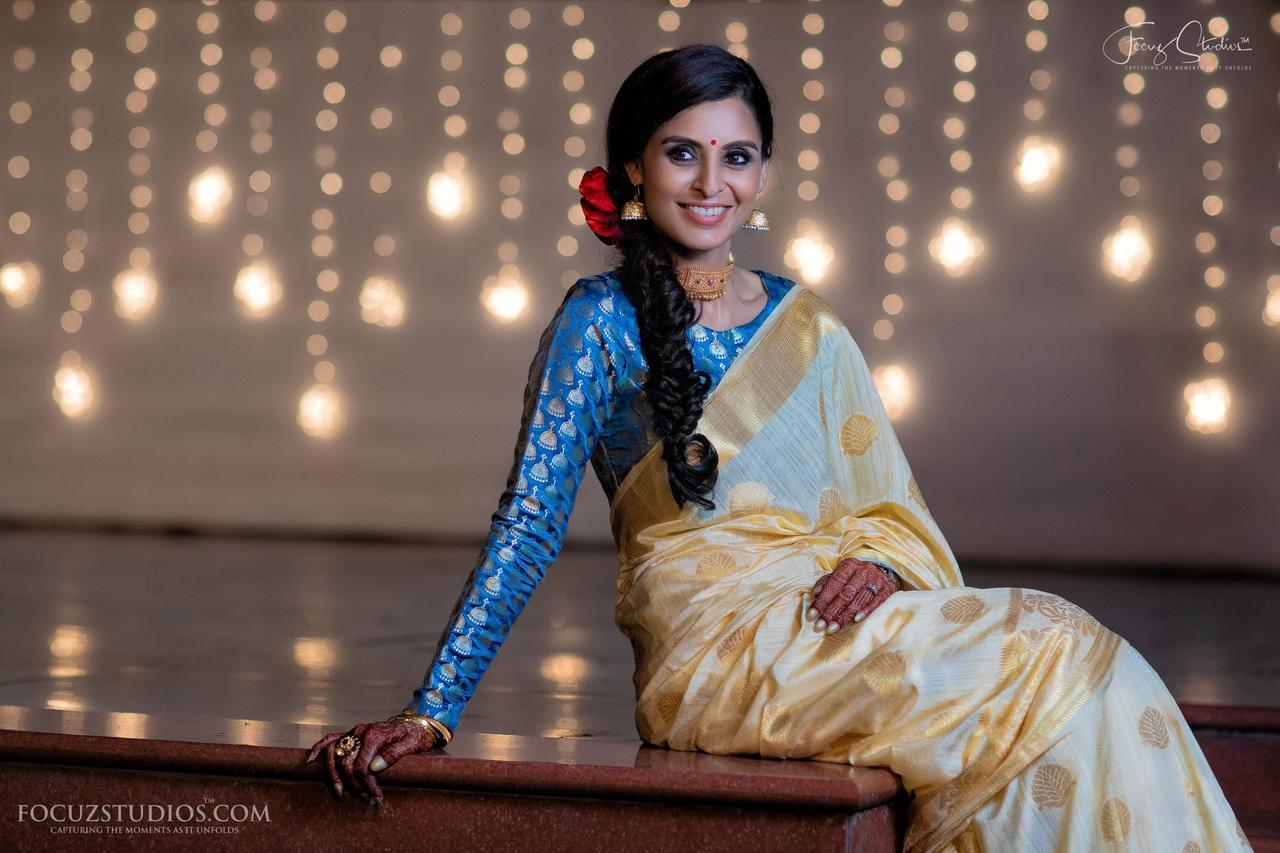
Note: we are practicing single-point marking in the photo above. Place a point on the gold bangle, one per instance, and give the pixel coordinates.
(428, 723)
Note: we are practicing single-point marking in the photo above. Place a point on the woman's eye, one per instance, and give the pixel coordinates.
(736, 157)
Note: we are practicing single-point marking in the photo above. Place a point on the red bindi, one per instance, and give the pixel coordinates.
(713, 142)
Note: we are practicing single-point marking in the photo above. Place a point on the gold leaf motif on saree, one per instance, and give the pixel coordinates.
(963, 610)
(857, 435)
(835, 646)
(731, 643)
(822, 411)
(1191, 847)
(716, 565)
(944, 722)
(1051, 786)
(775, 722)
(744, 690)
(668, 705)
(1115, 820)
(830, 505)
(885, 671)
(1015, 653)
(746, 498)
(913, 490)
(1153, 728)
(1061, 612)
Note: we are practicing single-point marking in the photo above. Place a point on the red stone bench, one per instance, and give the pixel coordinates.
(494, 792)
(489, 792)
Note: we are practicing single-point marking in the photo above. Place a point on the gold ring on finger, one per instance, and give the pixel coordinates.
(347, 746)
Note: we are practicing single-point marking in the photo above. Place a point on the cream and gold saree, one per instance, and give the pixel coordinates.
(1016, 720)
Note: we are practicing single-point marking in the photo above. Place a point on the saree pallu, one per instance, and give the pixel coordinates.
(1016, 720)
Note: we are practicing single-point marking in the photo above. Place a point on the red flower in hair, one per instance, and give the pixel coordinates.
(598, 206)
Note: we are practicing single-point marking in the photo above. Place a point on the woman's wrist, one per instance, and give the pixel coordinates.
(893, 576)
(442, 734)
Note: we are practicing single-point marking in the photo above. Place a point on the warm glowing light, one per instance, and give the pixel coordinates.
(447, 194)
(258, 289)
(565, 670)
(19, 282)
(1126, 252)
(315, 654)
(504, 296)
(135, 291)
(380, 302)
(1271, 312)
(208, 195)
(956, 247)
(69, 641)
(810, 255)
(72, 390)
(1208, 403)
(895, 387)
(320, 411)
(1038, 162)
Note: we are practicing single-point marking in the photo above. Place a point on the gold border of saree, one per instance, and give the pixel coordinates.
(785, 345)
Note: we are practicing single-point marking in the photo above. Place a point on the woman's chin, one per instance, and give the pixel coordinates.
(703, 239)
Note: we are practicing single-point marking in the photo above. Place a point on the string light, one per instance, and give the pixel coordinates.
(1208, 402)
(893, 381)
(1039, 158)
(320, 407)
(808, 252)
(1208, 405)
(73, 386)
(505, 296)
(1127, 249)
(956, 246)
(1126, 252)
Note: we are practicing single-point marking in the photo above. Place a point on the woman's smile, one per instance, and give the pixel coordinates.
(706, 214)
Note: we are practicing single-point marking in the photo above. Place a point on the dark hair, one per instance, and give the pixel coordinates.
(660, 87)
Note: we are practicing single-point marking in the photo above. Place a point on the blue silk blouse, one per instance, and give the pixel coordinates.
(584, 400)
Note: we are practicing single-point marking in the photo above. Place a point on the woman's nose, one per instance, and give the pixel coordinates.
(708, 179)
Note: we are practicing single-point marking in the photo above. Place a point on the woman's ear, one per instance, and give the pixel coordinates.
(635, 173)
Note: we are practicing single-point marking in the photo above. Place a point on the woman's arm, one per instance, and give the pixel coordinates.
(566, 405)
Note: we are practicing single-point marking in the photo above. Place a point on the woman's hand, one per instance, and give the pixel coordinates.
(381, 744)
(849, 594)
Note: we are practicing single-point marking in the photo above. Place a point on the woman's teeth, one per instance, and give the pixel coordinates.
(705, 211)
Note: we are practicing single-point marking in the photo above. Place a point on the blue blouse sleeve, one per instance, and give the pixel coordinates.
(566, 405)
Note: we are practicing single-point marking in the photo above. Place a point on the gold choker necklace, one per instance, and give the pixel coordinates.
(702, 283)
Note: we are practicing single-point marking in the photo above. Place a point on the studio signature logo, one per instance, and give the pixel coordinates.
(1124, 45)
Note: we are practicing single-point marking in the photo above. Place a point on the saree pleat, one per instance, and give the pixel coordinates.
(993, 705)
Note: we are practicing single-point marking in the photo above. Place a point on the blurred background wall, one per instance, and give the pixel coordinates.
(284, 265)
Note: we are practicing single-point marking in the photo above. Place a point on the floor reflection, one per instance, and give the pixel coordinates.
(326, 635)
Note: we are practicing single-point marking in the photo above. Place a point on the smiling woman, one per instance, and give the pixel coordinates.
(756, 486)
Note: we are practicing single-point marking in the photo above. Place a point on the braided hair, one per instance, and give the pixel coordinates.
(660, 87)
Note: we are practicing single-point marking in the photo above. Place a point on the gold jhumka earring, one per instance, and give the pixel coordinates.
(757, 221)
(634, 209)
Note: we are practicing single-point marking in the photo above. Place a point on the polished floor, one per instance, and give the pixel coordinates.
(323, 633)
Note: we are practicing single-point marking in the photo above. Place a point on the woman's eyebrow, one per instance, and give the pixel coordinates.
(744, 142)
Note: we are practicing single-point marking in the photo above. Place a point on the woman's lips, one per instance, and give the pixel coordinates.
(707, 220)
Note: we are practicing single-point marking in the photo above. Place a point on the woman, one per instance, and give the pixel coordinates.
(784, 587)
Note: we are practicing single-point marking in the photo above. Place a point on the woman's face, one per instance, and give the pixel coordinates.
(708, 156)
